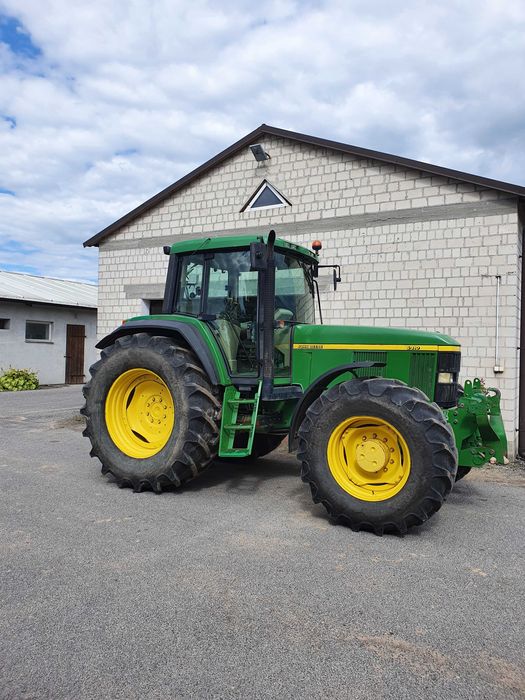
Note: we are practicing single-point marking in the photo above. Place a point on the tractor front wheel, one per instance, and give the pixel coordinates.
(150, 413)
(377, 455)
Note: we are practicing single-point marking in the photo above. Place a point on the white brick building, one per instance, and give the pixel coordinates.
(421, 246)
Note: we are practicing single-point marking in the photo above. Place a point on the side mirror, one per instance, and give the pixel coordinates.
(336, 273)
(337, 276)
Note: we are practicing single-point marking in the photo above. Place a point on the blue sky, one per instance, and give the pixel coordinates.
(17, 38)
(102, 104)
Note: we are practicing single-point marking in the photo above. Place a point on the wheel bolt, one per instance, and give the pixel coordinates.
(391, 461)
(374, 435)
(364, 438)
(391, 449)
(385, 469)
(385, 439)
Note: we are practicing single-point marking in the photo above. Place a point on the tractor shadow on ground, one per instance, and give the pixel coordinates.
(249, 476)
(466, 493)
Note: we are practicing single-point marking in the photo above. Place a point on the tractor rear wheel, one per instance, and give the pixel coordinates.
(150, 413)
(377, 455)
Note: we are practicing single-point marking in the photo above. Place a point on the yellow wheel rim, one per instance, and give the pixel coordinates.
(139, 413)
(368, 458)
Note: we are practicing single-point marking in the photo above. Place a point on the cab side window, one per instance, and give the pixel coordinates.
(189, 292)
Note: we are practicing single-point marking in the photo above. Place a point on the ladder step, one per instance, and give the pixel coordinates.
(231, 425)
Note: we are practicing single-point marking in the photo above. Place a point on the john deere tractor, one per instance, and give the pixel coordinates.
(238, 360)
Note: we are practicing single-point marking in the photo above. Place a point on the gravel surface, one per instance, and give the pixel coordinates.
(238, 586)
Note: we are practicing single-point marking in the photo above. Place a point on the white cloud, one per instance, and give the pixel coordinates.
(125, 99)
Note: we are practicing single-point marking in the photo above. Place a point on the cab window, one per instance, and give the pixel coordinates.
(189, 292)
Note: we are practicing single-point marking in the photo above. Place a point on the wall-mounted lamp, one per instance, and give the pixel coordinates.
(259, 153)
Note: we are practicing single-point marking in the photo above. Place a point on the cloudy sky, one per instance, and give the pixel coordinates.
(104, 103)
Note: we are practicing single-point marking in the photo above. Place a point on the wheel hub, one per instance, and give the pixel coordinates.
(369, 458)
(139, 413)
(371, 455)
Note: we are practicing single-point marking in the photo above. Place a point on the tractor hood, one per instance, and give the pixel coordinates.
(364, 337)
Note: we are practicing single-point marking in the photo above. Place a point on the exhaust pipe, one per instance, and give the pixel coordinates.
(268, 316)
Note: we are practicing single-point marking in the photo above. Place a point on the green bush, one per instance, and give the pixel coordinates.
(18, 380)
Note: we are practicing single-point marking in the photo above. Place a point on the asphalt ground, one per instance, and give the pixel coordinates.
(238, 587)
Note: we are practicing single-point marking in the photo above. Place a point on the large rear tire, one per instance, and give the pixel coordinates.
(150, 413)
(377, 455)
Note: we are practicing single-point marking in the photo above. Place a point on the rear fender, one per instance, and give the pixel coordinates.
(172, 329)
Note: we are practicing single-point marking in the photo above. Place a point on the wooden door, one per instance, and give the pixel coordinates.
(75, 338)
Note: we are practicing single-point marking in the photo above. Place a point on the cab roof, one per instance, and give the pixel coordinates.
(196, 245)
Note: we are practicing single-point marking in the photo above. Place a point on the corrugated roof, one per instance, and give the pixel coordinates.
(266, 130)
(46, 290)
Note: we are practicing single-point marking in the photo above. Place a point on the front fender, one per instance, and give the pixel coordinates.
(316, 389)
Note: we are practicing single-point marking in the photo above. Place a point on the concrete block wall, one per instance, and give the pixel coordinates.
(417, 250)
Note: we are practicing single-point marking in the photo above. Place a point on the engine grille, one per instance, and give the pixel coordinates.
(422, 371)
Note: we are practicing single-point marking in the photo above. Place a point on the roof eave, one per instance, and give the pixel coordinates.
(176, 186)
(47, 302)
(265, 129)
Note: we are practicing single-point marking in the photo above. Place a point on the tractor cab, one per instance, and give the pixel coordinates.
(239, 291)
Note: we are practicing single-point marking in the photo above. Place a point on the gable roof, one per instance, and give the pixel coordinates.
(266, 130)
(18, 286)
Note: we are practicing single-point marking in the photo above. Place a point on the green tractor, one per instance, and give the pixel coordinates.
(236, 362)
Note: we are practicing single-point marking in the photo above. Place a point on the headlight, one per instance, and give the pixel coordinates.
(445, 378)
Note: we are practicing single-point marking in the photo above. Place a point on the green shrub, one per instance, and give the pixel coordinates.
(18, 380)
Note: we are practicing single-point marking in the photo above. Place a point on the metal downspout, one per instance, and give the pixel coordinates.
(497, 367)
(521, 419)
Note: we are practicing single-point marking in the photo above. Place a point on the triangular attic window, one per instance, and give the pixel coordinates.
(265, 197)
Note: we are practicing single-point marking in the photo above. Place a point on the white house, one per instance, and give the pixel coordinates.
(48, 326)
(420, 245)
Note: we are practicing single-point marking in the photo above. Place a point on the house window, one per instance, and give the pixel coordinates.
(39, 331)
(4, 324)
(266, 196)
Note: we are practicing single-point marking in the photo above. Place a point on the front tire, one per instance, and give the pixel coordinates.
(150, 413)
(377, 455)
